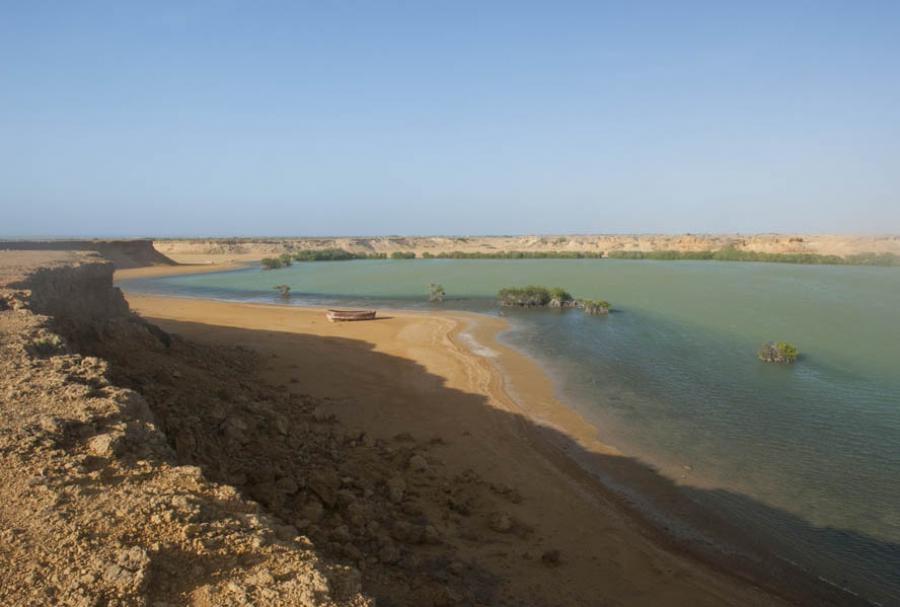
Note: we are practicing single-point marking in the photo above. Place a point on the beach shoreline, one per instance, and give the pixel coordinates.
(463, 350)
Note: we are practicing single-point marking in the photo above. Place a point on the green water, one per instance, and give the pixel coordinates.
(807, 454)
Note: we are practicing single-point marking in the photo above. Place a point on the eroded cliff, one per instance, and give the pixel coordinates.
(96, 508)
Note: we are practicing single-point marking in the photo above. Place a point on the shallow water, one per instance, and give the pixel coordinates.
(808, 455)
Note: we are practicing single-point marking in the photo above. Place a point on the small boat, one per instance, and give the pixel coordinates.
(348, 315)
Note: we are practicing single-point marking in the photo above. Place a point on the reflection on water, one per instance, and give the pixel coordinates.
(672, 378)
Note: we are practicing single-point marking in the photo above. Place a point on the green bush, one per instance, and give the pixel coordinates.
(524, 296)
(594, 306)
(334, 255)
(283, 290)
(324, 255)
(662, 255)
(436, 293)
(519, 255)
(270, 263)
(560, 295)
(778, 352)
(403, 255)
(46, 345)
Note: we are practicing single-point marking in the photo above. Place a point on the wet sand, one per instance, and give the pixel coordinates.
(447, 376)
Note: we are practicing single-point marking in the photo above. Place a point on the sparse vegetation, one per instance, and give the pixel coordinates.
(283, 290)
(560, 297)
(662, 255)
(271, 263)
(516, 255)
(778, 352)
(403, 255)
(525, 296)
(46, 345)
(334, 255)
(436, 293)
(594, 306)
(532, 296)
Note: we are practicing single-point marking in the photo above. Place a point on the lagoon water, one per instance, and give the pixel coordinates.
(807, 455)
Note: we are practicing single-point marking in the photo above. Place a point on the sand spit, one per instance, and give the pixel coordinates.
(245, 249)
(233, 454)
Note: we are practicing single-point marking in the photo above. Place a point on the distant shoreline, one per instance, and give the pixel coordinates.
(204, 250)
(783, 248)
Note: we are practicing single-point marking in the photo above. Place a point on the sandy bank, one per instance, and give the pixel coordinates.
(199, 250)
(416, 374)
(172, 270)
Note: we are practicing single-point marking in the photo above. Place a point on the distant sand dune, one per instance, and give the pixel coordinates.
(233, 249)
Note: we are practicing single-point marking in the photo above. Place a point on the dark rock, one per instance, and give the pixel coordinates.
(551, 558)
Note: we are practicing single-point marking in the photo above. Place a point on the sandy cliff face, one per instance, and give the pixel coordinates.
(78, 293)
(207, 250)
(133, 253)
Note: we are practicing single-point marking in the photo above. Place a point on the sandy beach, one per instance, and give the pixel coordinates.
(438, 376)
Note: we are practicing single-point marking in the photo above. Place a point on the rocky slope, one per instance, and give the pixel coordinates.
(95, 508)
(205, 250)
(137, 468)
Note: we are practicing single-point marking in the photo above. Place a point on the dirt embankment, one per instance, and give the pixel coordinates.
(245, 249)
(96, 508)
(135, 253)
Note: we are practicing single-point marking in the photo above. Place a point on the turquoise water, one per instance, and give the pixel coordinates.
(807, 455)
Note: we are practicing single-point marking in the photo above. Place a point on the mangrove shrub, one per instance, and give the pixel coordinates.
(778, 352)
(436, 293)
(594, 306)
(271, 263)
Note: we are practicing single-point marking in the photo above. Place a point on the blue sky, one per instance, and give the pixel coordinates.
(438, 117)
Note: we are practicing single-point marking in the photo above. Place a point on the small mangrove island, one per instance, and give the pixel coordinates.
(778, 352)
(436, 293)
(283, 290)
(534, 297)
(594, 306)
